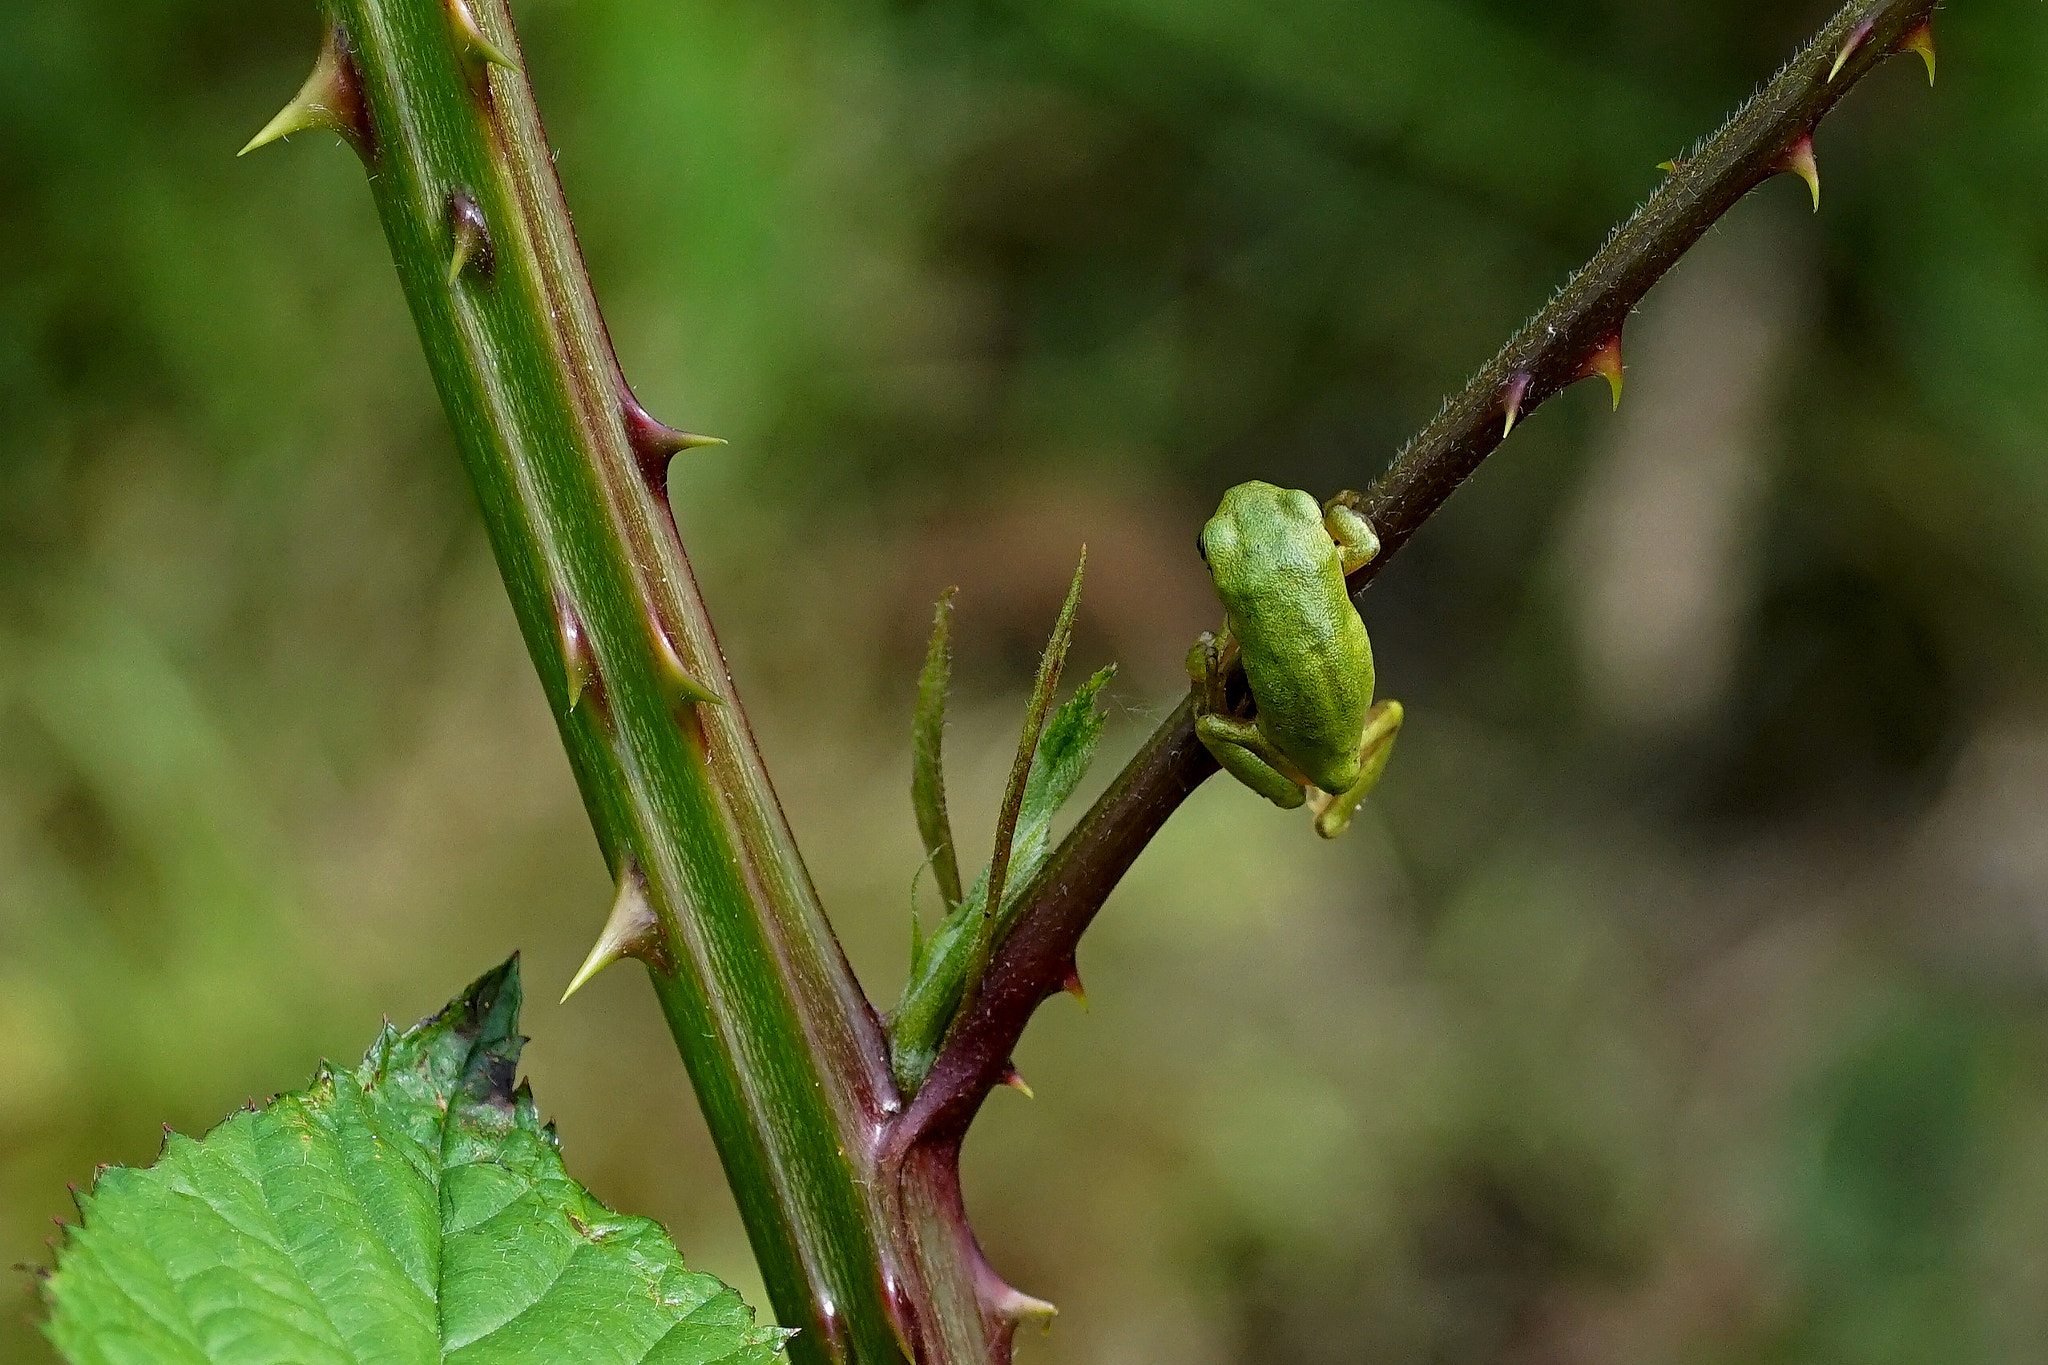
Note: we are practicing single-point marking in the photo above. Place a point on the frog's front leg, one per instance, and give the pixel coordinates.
(1247, 755)
(1357, 543)
(1335, 809)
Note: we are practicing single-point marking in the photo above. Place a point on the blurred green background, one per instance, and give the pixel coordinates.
(1682, 997)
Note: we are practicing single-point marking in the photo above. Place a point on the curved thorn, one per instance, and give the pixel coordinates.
(1857, 38)
(654, 443)
(1605, 363)
(1014, 1305)
(470, 39)
(1072, 986)
(1518, 389)
(631, 930)
(328, 99)
(682, 687)
(1799, 160)
(1921, 40)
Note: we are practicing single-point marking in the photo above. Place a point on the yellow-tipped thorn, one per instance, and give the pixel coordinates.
(1072, 986)
(470, 37)
(1014, 1305)
(682, 686)
(322, 102)
(690, 440)
(1856, 39)
(1016, 1083)
(1921, 40)
(1669, 167)
(1606, 363)
(631, 930)
(1799, 160)
(1518, 389)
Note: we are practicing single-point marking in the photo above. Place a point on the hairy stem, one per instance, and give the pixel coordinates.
(1577, 335)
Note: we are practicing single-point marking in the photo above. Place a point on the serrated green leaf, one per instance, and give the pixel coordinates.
(410, 1212)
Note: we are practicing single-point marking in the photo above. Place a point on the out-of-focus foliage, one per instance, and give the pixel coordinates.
(1678, 998)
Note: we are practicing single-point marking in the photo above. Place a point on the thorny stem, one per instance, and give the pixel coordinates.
(1563, 343)
(785, 1052)
(853, 1204)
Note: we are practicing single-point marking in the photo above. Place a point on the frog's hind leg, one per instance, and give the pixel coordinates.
(1382, 725)
(1247, 755)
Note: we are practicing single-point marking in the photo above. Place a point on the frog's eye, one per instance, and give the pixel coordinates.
(1202, 544)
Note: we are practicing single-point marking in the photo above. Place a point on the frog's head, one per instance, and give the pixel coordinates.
(1257, 517)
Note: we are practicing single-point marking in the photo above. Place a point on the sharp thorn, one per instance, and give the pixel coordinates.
(470, 39)
(329, 99)
(1013, 1305)
(1518, 389)
(654, 443)
(1670, 167)
(471, 240)
(1606, 364)
(1921, 40)
(653, 439)
(1799, 160)
(579, 669)
(1072, 986)
(1857, 38)
(631, 930)
(681, 685)
(1016, 1083)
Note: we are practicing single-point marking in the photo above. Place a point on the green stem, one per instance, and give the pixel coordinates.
(785, 1052)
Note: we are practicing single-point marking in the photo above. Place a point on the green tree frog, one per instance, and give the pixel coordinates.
(1279, 560)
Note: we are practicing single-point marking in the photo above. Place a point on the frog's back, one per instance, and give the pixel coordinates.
(1308, 659)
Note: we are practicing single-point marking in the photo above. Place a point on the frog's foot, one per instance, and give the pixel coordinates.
(1206, 669)
(1247, 755)
(1334, 810)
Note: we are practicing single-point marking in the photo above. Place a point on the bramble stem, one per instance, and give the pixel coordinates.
(786, 1054)
(853, 1203)
(1561, 344)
